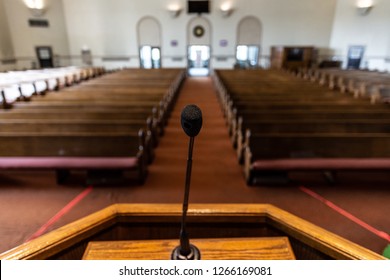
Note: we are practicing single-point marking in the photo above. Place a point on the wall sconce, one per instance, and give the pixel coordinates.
(37, 7)
(226, 9)
(364, 6)
(174, 10)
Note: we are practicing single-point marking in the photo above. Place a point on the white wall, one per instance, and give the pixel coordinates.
(108, 27)
(6, 48)
(25, 38)
(371, 30)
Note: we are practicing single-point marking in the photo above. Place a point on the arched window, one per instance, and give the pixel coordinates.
(248, 42)
(149, 42)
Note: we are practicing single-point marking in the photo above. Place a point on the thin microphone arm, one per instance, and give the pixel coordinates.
(184, 241)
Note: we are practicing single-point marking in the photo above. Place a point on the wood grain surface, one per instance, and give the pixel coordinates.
(266, 248)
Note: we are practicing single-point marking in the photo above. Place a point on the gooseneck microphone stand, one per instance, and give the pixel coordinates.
(186, 251)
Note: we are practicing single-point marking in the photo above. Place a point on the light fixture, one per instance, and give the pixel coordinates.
(174, 10)
(364, 6)
(37, 7)
(226, 9)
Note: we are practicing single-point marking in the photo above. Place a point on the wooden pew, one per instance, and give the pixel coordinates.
(316, 126)
(318, 114)
(95, 114)
(3, 101)
(294, 125)
(249, 94)
(306, 106)
(299, 110)
(96, 153)
(269, 154)
(61, 126)
(267, 88)
(381, 94)
(25, 84)
(360, 83)
(110, 111)
(73, 125)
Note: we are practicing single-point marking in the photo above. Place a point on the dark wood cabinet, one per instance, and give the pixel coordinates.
(292, 57)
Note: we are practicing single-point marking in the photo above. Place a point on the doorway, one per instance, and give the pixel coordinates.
(247, 56)
(150, 57)
(199, 46)
(45, 56)
(198, 60)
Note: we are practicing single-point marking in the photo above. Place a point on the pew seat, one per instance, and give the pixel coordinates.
(276, 170)
(67, 162)
(307, 164)
(62, 165)
(105, 157)
(271, 157)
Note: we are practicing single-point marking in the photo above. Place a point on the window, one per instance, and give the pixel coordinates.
(247, 56)
(150, 57)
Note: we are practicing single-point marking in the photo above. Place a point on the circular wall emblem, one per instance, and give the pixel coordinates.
(198, 31)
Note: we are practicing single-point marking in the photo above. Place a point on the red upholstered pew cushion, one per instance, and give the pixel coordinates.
(322, 164)
(68, 162)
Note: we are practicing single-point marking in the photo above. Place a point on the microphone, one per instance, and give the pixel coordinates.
(191, 122)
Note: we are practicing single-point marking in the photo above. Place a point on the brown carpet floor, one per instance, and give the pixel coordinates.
(29, 199)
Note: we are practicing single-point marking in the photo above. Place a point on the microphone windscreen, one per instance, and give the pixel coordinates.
(191, 120)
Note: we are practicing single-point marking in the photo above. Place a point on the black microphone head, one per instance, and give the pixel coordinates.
(191, 120)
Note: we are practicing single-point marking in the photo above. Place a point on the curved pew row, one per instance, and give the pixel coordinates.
(361, 83)
(102, 155)
(33, 84)
(22, 85)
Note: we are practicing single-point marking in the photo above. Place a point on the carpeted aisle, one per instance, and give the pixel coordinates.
(216, 176)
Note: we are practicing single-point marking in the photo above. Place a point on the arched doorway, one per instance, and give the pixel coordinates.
(248, 42)
(149, 43)
(199, 47)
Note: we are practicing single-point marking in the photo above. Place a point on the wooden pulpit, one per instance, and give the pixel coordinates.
(220, 231)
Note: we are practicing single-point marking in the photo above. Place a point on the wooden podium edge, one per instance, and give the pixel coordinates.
(308, 233)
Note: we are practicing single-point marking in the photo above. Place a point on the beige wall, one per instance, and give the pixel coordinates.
(6, 48)
(371, 30)
(109, 29)
(25, 38)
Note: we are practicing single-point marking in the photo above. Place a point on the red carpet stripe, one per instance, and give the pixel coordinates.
(346, 214)
(61, 213)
